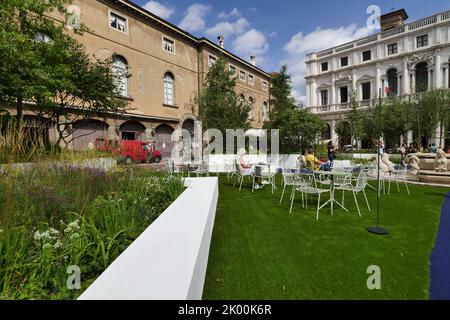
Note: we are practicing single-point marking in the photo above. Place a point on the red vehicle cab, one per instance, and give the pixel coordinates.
(130, 150)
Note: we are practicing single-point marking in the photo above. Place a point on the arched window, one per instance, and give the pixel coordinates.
(251, 102)
(422, 77)
(169, 87)
(392, 82)
(241, 98)
(120, 71)
(326, 133)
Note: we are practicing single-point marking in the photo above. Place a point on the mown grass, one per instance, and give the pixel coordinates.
(260, 251)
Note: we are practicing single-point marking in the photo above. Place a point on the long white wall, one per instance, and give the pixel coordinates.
(167, 261)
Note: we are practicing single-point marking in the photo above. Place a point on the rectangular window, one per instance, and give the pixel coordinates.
(251, 79)
(265, 86)
(344, 94)
(233, 69)
(168, 45)
(422, 41)
(242, 76)
(324, 98)
(366, 88)
(392, 48)
(118, 22)
(344, 61)
(324, 66)
(367, 55)
(211, 60)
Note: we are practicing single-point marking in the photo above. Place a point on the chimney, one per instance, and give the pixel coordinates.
(220, 41)
(253, 60)
(393, 19)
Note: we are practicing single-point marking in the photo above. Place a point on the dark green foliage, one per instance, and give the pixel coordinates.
(219, 106)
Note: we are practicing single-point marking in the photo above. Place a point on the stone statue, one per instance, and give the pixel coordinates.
(440, 162)
(413, 162)
(385, 164)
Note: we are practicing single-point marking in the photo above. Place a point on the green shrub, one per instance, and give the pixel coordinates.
(53, 217)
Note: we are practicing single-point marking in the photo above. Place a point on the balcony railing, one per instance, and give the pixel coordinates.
(412, 27)
(363, 104)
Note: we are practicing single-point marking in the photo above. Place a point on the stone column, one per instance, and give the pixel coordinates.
(430, 79)
(413, 81)
(445, 82)
(438, 138)
(353, 80)
(314, 92)
(410, 137)
(334, 136)
(333, 90)
(378, 79)
(438, 71)
(405, 85)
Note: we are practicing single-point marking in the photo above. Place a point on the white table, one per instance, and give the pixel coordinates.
(332, 199)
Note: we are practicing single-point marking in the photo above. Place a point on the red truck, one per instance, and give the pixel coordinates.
(130, 151)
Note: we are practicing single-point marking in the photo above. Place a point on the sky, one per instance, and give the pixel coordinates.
(284, 31)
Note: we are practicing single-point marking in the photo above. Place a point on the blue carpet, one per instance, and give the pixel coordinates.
(440, 257)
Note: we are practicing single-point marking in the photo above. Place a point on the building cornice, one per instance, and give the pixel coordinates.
(373, 63)
(197, 41)
(415, 27)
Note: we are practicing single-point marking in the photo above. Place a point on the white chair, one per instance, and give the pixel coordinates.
(360, 186)
(241, 174)
(202, 169)
(399, 175)
(288, 181)
(263, 172)
(306, 184)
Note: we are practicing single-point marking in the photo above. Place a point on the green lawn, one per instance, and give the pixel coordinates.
(260, 251)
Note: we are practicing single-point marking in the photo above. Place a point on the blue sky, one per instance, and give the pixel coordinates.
(282, 31)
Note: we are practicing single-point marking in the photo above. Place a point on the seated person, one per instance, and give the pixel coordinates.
(313, 163)
(245, 168)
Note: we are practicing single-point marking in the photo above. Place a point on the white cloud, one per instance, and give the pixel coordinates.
(194, 20)
(235, 13)
(319, 39)
(227, 28)
(252, 42)
(273, 34)
(159, 9)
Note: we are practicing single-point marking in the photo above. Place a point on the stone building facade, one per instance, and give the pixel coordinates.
(166, 67)
(406, 58)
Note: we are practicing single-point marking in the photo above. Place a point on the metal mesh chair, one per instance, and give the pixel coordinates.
(306, 184)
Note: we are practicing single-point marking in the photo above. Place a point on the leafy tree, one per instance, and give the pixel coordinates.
(43, 66)
(396, 118)
(281, 98)
(219, 106)
(355, 119)
(424, 116)
(298, 128)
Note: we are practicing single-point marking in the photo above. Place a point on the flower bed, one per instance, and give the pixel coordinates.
(60, 216)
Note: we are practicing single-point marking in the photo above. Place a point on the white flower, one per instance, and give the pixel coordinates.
(37, 236)
(54, 231)
(57, 244)
(46, 246)
(74, 236)
(46, 235)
